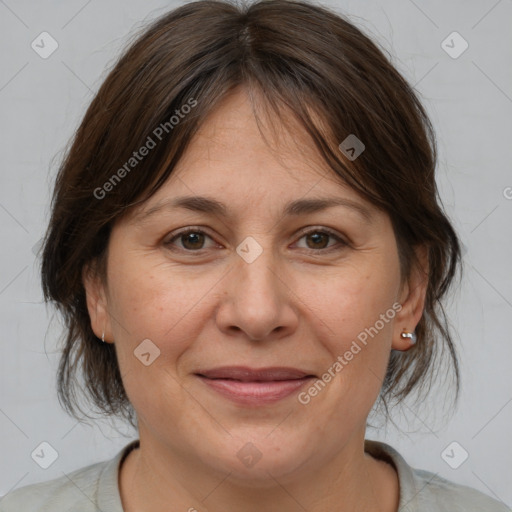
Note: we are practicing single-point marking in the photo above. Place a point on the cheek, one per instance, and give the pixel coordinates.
(359, 302)
(153, 324)
(358, 309)
(158, 303)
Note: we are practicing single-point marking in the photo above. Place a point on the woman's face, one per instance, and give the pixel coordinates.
(314, 289)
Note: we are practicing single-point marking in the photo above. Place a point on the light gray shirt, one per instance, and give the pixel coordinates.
(95, 488)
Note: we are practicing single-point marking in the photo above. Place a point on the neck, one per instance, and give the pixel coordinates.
(154, 477)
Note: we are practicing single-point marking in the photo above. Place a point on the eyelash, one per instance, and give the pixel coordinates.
(193, 229)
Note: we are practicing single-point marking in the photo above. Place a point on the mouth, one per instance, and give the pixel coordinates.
(248, 386)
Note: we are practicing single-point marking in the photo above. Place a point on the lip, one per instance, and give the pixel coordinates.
(249, 386)
(247, 374)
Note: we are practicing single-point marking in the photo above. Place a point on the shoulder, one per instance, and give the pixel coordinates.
(437, 493)
(74, 490)
(86, 489)
(424, 491)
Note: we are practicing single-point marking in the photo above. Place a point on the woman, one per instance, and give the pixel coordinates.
(248, 249)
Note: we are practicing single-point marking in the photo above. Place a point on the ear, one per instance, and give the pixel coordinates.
(97, 305)
(412, 299)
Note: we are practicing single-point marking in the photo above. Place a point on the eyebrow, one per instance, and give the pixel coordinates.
(212, 206)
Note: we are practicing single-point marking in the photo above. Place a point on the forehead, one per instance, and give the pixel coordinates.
(244, 164)
(235, 135)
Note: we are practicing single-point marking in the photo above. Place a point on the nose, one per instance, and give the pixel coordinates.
(257, 300)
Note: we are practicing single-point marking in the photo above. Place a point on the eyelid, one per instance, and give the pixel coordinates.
(324, 229)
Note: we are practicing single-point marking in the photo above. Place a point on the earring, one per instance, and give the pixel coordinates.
(103, 336)
(411, 335)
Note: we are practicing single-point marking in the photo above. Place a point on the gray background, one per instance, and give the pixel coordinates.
(469, 99)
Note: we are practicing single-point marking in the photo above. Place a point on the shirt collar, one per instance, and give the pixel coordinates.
(109, 497)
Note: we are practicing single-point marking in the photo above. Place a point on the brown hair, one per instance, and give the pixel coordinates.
(298, 57)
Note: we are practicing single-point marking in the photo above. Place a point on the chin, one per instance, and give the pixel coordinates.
(257, 460)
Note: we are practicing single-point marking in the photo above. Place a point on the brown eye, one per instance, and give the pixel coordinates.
(194, 239)
(190, 240)
(318, 240)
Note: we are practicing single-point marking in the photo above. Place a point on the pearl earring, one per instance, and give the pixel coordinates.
(411, 335)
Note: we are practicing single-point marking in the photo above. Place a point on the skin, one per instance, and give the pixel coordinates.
(301, 303)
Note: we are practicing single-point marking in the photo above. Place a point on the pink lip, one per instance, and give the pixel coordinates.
(249, 386)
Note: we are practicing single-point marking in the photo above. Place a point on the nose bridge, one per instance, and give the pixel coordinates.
(255, 268)
(258, 303)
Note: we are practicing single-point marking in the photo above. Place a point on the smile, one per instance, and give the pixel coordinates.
(248, 386)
